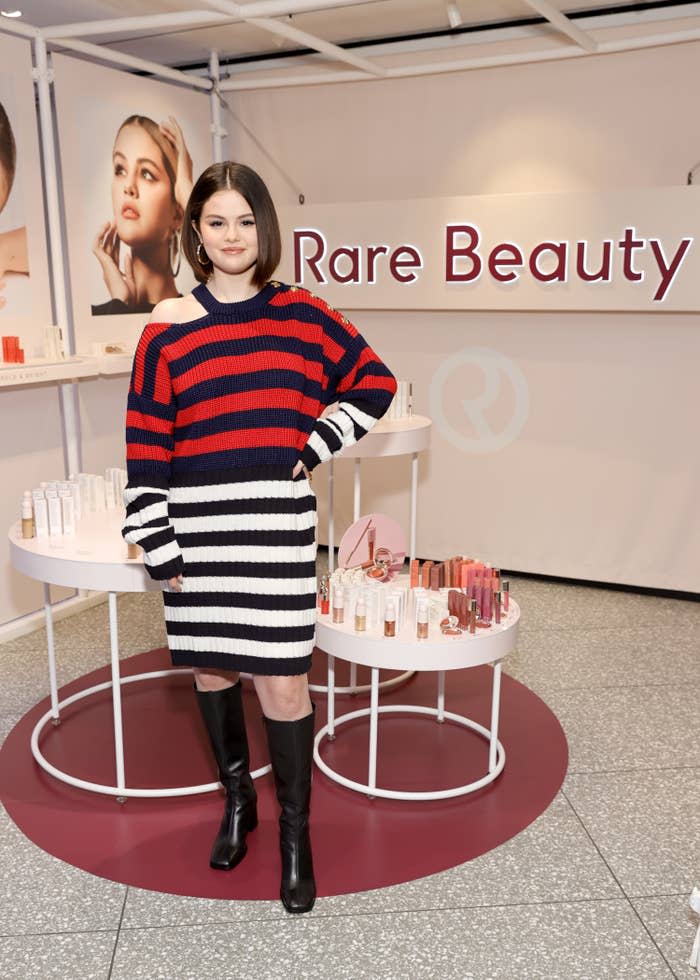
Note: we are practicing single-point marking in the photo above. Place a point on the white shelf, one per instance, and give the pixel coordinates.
(39, 371)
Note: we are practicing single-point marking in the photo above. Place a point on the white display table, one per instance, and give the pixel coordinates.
(94, 558)
(404, 652)
(397, 437)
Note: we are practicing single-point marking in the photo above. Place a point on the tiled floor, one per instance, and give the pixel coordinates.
(596, 888)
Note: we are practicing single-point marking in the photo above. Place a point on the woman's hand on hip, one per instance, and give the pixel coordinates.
(297, 470)
(175, 583)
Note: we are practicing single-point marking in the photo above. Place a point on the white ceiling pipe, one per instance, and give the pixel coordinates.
(128, 61)
(562, 23)
(439, 68)
(12, 27)
(318, 44)
(236, 12)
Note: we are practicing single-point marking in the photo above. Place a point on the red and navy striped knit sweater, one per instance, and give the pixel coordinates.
(242, 386)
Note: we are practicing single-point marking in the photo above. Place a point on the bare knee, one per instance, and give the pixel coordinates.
(283, 698)
(214, 680)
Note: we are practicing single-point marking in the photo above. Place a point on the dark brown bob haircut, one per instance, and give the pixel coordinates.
(229, 176)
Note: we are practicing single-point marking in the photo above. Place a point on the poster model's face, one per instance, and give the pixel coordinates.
(228, 231)
(142, 192)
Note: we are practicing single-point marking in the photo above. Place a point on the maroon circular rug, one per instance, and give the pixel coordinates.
(359, 844)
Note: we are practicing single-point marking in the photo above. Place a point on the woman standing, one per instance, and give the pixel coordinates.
(151, 182)
(223, 431)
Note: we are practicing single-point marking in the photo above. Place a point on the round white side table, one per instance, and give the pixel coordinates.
(404, 652)
(397, 437)
(94, 558)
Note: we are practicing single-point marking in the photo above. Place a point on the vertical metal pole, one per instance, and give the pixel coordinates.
(51, 650)
(441, 696)
(217, 132)
(116, 693)
(331, 697)
(357, 488)
(373, 718)
(495, 706)
(331, 518)
(68, 393)
(414, 502)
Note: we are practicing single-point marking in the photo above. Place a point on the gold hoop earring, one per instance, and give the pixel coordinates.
(206, 259)
(174, 252)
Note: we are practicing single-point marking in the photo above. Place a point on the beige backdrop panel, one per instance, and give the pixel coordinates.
(598, 482)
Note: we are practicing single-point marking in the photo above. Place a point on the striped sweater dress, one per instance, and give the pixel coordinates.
(220, 409)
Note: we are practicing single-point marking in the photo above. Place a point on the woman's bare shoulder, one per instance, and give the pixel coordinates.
(179, 309)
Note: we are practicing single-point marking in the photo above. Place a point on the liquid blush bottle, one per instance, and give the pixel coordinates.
(390, 618)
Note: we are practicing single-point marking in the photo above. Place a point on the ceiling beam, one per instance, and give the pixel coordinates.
(305, 39)
(235, 13)
(99, 53)
(562, 23)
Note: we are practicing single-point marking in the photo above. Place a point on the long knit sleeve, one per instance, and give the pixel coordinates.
(361, 383)
(150, 423)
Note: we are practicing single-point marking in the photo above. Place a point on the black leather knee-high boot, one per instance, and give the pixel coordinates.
(291, 751)
(222, 712)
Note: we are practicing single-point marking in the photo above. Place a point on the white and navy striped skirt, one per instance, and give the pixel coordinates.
(248, 541)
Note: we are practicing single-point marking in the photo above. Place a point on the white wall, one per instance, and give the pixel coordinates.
(613, 398)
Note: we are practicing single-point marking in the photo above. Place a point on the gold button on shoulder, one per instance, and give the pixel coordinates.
(275, 284)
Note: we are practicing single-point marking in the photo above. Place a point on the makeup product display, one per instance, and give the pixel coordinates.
(55, 507)
(12, 353)
(375, 547)
(401, 406)
(459, 596)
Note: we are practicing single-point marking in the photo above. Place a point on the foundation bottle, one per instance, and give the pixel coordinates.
(338, 606)
(390, 618)
(360, 616)
(422, 621)
(27, 517)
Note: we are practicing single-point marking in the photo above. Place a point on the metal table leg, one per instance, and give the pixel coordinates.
(51, 651)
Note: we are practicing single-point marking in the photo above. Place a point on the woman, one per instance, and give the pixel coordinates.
(151, 182)
(223, 430)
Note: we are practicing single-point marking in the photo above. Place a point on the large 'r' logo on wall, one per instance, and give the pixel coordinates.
(498, 377)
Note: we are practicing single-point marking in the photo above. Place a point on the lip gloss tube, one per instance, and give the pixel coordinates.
(497, 607)
(371, 540)
(472, 616)
(486, 597)
(505, 588)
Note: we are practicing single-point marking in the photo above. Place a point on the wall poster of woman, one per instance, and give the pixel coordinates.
(129, 145)
(138, 248)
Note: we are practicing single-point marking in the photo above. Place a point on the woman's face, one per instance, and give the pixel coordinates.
(228, 232)
(142, 194)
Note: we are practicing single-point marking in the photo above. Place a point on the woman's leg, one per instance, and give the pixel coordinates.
(289, 723)
(221, 706)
